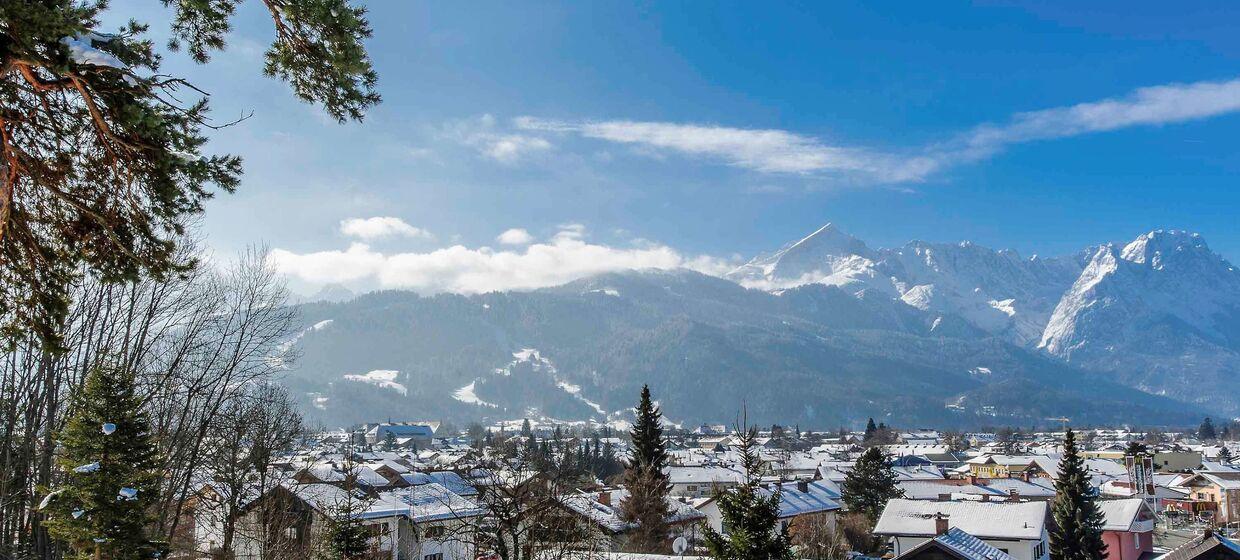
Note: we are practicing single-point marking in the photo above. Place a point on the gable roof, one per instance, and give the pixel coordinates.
(961, 545)
(1203, 545)
(1120, 515)
(818, 498)
(999, 520)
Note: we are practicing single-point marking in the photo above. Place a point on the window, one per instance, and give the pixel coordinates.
(691, 488)
(433, 531)
(1039, 549)
(435, 556)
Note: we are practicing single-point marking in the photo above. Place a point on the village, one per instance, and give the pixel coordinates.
(522, 489)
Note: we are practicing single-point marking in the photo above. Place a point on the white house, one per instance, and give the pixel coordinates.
(1016, 528)
(796, 499)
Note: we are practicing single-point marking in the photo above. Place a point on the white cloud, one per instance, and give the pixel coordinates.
(380, 227)
(779, 151)
(515, 236)
(1157, 105)
(481, 135)
(459, 269)
(763, 150)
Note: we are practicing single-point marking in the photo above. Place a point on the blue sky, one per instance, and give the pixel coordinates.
(661, 134)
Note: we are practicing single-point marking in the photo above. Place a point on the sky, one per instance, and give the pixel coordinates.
(523, 144)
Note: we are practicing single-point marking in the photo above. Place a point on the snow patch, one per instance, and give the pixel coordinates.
(467, 395)
(383, 378)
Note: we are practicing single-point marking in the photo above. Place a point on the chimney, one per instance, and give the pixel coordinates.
(1024, 475)
(985, 497)
(604, 498)
(803, 486)
(940, 524)
(1013, 495)
(971, 479)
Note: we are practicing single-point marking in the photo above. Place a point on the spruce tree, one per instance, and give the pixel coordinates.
(647, 483)
(750, 515)
(1206, 431)
(1076, 531)
(870, 484)
(347, 537)
(111, 478)
(870, 428)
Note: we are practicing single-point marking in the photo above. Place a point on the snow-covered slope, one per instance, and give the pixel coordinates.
(1163, 312)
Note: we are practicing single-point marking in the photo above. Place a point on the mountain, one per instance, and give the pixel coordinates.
(996, 291)
(817, 355)
(1162, 313)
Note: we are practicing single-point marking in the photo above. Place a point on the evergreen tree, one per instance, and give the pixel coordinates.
(750, 515)
(346, 536)
(1136, 449)
(1076, 533)
(108, 455)
(102, 165)
(1206, 431)
(870, 484)
(647, 483)
(1224, 455)
(526, 430)
(870, 429)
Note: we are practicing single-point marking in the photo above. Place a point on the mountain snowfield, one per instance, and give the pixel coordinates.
(825, 331)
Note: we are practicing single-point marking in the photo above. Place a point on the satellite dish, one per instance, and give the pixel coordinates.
(680, 545)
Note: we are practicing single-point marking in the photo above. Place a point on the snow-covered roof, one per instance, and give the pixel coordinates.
(607, 516)
(818, 497)
(965, 546)
(1120, 515)
(1000, 520)
(426, 502)
(704, 475)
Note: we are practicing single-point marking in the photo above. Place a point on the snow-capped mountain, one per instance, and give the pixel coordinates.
(996, 291)
(832, 331)
(1162, 312)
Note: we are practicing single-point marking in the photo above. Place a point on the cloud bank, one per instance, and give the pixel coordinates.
(458, 269)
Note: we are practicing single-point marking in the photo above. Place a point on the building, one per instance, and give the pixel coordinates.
(954, 544)
(601, 510)
(1018, 529)
(418, 434)
(800, 499)
(1128, 529)
(1207, 546)
(1218, 492)
(701, 482)
(411, 523)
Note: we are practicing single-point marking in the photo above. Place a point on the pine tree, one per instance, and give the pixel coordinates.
(108, 454)
(647, 483)
(1076, 533)
(870, 484)
(750, 515)
(1206, 431)
(102, 165)
(1224, 455)
(870, 428)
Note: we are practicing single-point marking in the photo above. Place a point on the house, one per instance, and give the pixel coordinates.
(420, 433)
(601, 510)
(1218, 492)
(412, 523)
(1016, 528)
(800, 499)
(954, 544)
(1128, 529)
(1207, 546)
(1004, 466)
(703, 481)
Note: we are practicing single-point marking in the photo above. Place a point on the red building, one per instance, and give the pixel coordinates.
(1128, 530)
